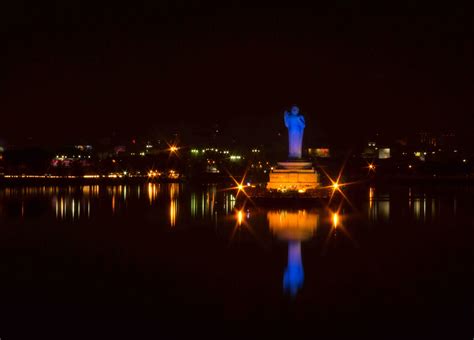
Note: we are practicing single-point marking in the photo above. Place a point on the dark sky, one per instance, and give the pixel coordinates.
(76, 70)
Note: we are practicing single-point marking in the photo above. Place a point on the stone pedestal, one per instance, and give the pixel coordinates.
(295, 175)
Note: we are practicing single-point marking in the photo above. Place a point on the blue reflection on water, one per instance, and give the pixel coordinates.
(294, 274)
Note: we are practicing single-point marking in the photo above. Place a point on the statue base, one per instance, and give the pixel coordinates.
(293, 176)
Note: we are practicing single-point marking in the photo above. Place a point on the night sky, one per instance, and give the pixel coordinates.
(78, 71)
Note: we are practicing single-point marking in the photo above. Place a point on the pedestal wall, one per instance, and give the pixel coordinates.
(293, 179)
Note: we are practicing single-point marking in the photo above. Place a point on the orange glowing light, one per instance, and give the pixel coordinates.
(240, 217)
(153, 174)
(371, 167)
(173, 148)
(335, 219)
(335, 186)
(173, 212)
(293, 225)
(240, 186)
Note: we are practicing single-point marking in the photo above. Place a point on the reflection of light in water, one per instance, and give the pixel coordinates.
(203, 204)
(294, 273)
(150, 192)
(118, 194)
(212, 203)
(62, 208)
(240, 217)
(416, 209)
(229, 202)
(294, 227)
(419, 208)
(193, 204)
(68, 208)
(409, 198)
(92, 190)
(174, 192)
(64, 201)
(335, 219)
(173, 211)
(226, 203)
(379, 206)
(153, 190)
(372, 211)
(210, 200)
(429, 209)
(371, 197)
(384, 209)
(424, 208)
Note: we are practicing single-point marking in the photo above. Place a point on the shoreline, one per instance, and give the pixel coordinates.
(70, 180)
(38, 180)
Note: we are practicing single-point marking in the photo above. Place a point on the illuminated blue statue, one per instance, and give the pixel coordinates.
(294, 274)
(295, 124)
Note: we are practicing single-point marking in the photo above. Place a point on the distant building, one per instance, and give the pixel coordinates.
(83, 148)
(319, 152)
(384, 153)
(428, 139)
(373, 151)
(370, 151)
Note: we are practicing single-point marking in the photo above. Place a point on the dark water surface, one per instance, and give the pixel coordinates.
(395, 262)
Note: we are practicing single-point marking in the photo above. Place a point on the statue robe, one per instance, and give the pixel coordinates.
(295, 125)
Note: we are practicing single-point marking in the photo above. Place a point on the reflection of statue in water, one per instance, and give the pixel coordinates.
(294, 273)
(294, 227)
(295, 124)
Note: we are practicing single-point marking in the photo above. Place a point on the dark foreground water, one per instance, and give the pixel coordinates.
(155, 260)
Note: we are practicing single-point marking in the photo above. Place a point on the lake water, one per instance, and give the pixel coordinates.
(392, 261)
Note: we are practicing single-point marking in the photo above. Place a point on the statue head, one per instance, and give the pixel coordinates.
(295, 110)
